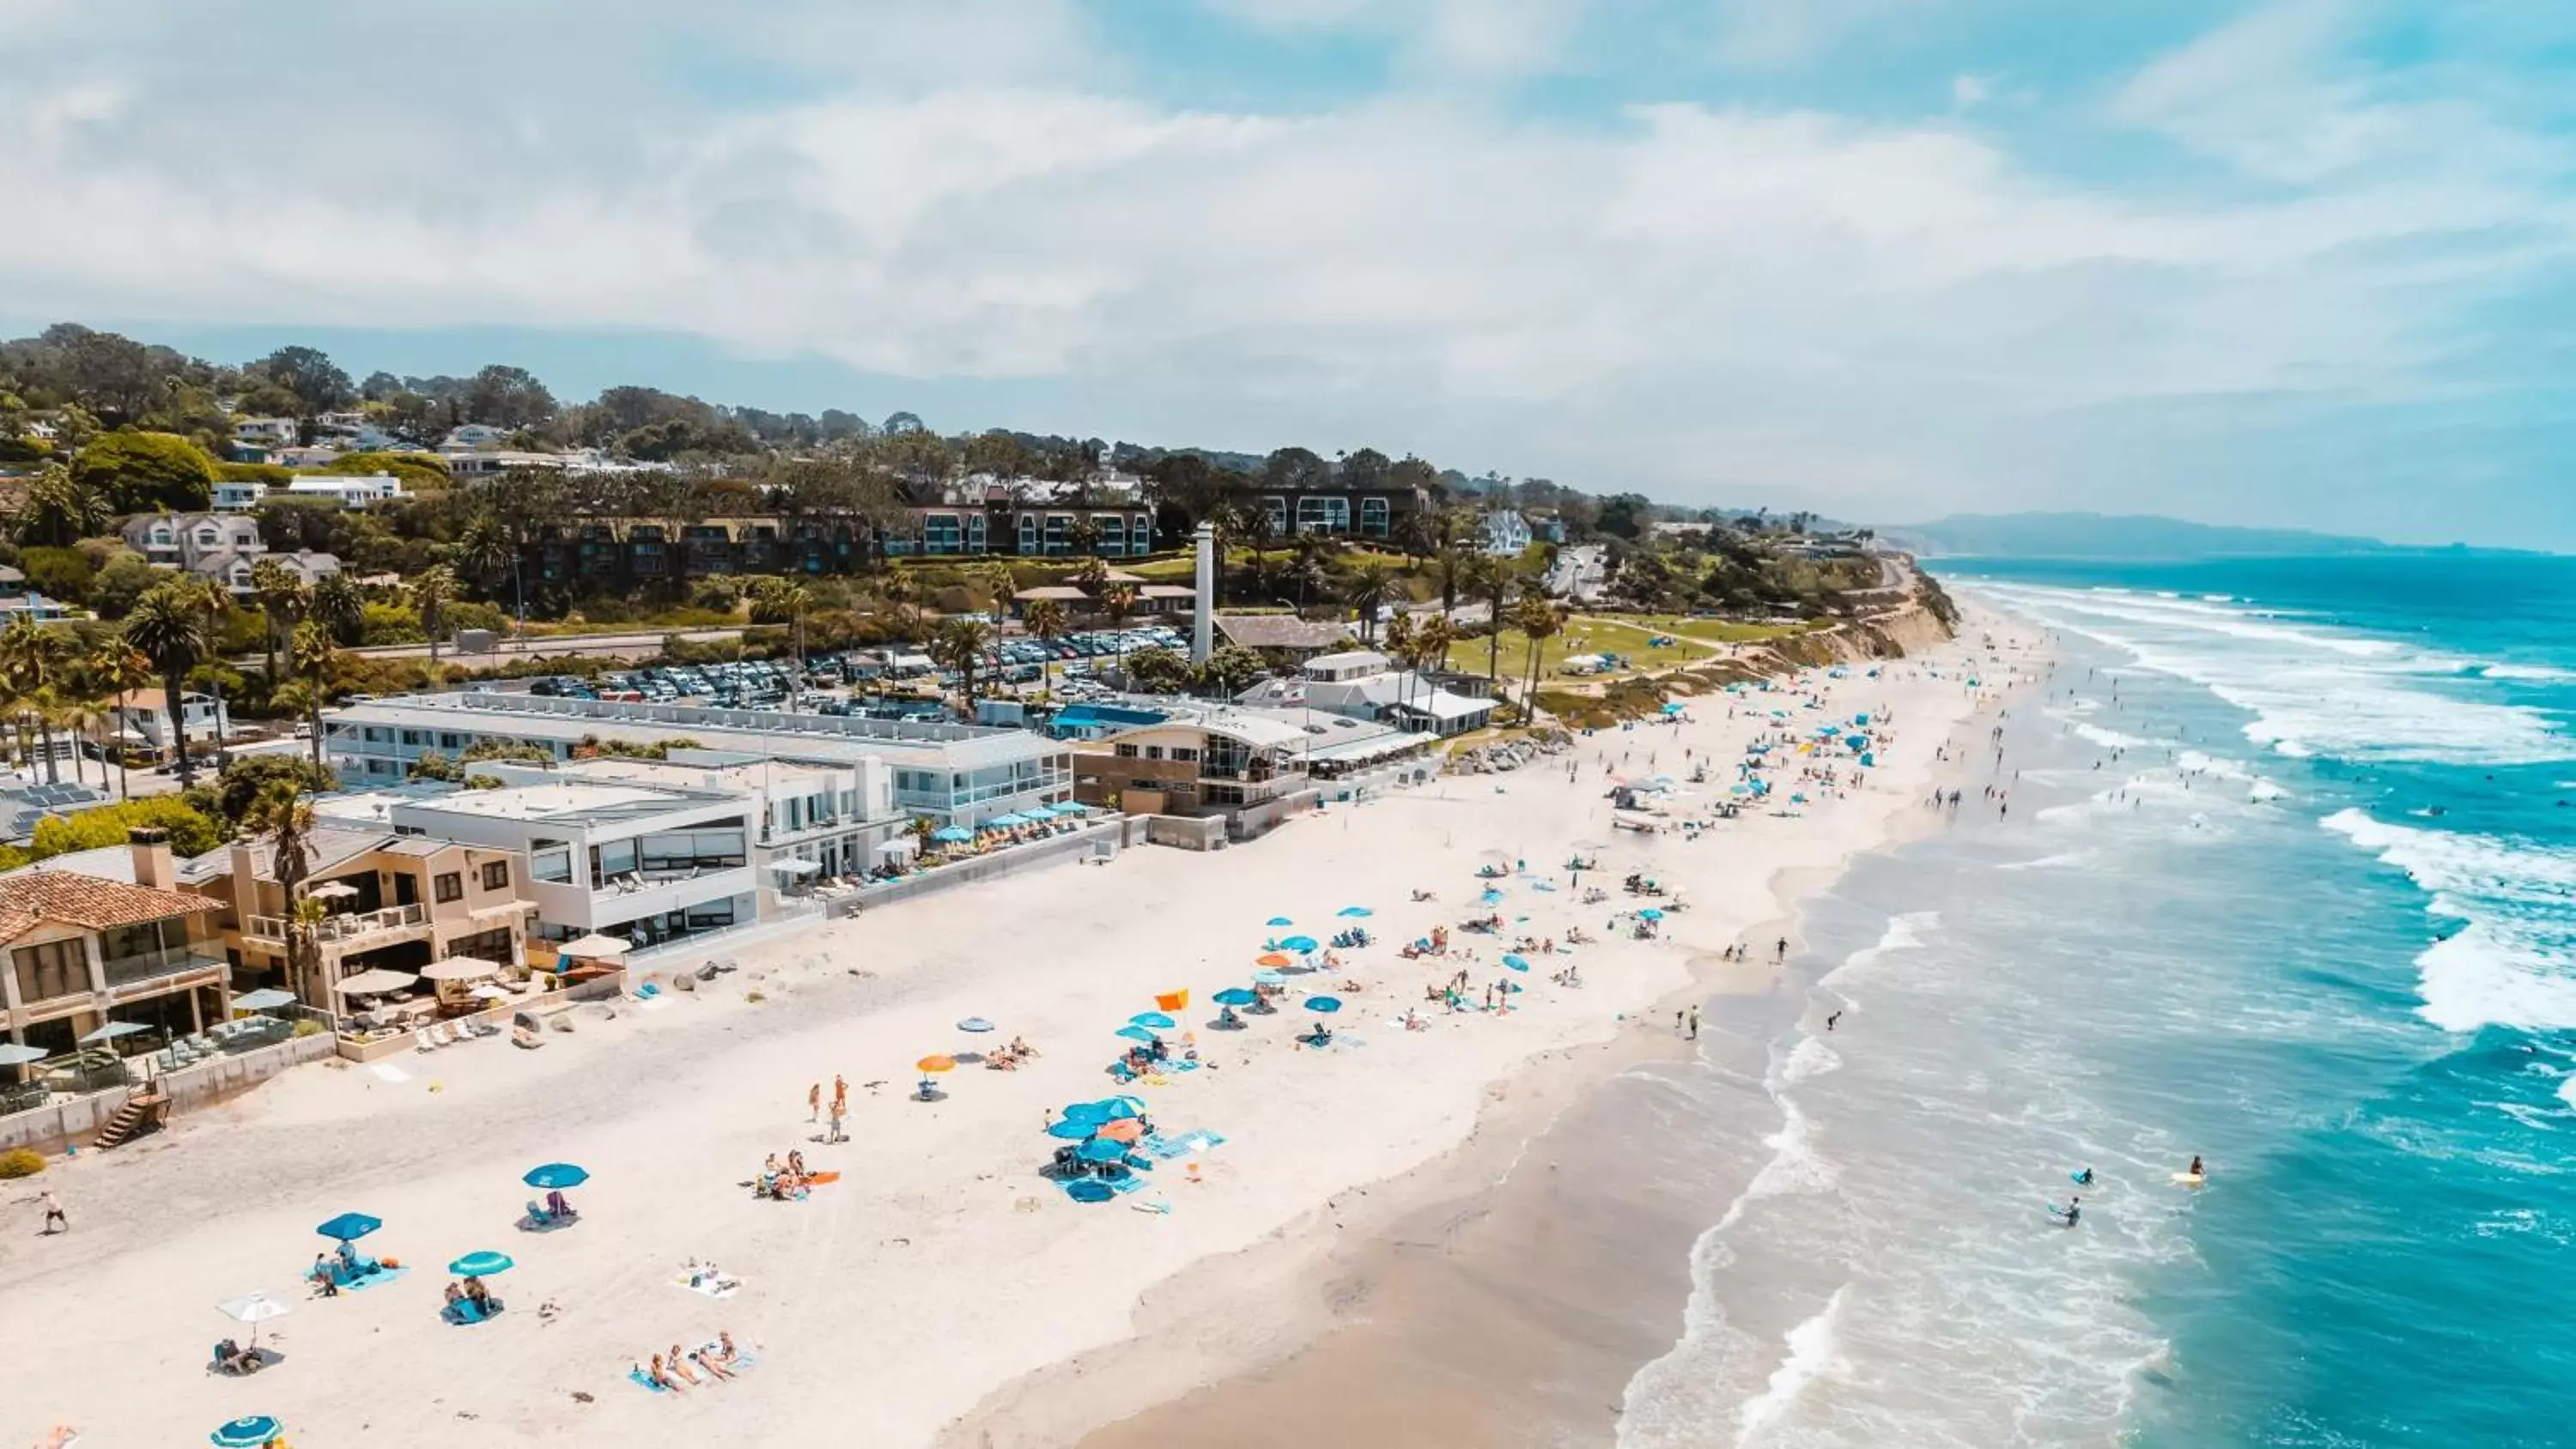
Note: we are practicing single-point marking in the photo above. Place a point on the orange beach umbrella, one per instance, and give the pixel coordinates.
(1272, 959)
(936, 1064)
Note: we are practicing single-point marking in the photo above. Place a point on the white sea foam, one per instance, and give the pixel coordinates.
(2311, 690)
(1810, 1058)
(2511, 958)
(1903, 933)
(2108, 739)
(1813, 1353)
(2535, 673)
(2051, 862)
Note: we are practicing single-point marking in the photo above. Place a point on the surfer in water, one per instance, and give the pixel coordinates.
(2084, 1178)
(2068, 1214)
(2195, 1166)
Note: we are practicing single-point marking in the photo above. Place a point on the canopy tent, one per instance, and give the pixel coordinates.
(263, 999)
(460, 968)
(375, 983)
(594, 947)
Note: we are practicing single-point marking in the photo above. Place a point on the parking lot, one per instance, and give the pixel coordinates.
(840, 682)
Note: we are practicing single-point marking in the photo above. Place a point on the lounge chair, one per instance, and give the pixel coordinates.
(423, 1042)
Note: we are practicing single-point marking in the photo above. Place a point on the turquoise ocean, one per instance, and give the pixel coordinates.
(2288, 881)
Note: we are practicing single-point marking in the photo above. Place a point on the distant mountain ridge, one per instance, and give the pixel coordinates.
(2110, 536)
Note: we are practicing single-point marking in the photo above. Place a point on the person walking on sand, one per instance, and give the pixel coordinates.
(1677, 1020)
(840, 1094)
(832, 1124)
(55, 1222)
(1832, 1017)
(1694, 1020)
(1780, 949)
(814, 1102)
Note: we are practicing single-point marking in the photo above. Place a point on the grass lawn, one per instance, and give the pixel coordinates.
(1581, 636)
(1720, 631)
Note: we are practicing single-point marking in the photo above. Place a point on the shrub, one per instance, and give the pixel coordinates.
(307, 1026)
(141, 472)
(21, 1162)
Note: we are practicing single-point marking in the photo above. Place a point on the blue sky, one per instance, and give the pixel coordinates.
(2299, 262)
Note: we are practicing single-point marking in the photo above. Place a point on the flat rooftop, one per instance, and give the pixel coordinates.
(573, 804)
(838, 739)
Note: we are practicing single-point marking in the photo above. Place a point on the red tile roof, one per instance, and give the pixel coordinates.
(30, 899)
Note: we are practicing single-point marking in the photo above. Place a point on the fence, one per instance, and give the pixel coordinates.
(1105, 839)
(77, 1118)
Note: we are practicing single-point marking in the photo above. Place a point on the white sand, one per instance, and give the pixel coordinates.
(942, 1266)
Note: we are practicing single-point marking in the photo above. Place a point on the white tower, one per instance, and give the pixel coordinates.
(1203, 626)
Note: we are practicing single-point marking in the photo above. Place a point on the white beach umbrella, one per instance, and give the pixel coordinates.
(460, 968)
(255, 1308)
(490, 992)
(375, 983)
(594, 946)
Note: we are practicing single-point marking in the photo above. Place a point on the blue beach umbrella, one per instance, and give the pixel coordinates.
(974, 1023)
(951, 835)
(1091, 1114)
(1298, 943)
(349, 1227)
(1089, 1189)
(1515, 962)
(1069, 1130)
(1279, 921)
(556, 1175)
(1101, 1149)
(248, 1432)
(1236, 996)
(1153, 1019)
(1354, 912)
(1491, 895)
(1125, 1107)
(1324, 1004)
(1651, 913)
(1135, 1033)
(481, 1264)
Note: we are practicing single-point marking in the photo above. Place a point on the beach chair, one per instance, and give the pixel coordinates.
(421, 1041)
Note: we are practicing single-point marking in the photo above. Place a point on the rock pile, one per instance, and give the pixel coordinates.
(1511, 754)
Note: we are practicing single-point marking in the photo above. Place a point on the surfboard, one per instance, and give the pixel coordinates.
(2078, 1179)
(2189, 1179)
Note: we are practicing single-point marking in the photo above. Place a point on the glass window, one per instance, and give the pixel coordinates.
(451, 742)
(56, 968)
(411, 737)
(1373, 517)
(1277, 508)
(550, 860)
(450, 886)
(1126, 752)
(496, 875)
(1153, 752)
(616, 857)
(974, 533)
(1184, 754)
(1028, 533)
(941, 533)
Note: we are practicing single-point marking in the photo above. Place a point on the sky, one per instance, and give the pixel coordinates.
(2307, 262)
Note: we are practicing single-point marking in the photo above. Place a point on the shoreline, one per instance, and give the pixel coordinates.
(1384, 1317)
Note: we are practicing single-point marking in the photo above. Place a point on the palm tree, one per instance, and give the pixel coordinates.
(1539, 619)
(338, 605)
(31, 660)
(1368, 589)
(60, 510)
(774, 598)
(960, 646)
(116, 669)
(172, 625)
(1093, 571)
(432, 590)
(1492, 577)
(315, 658)
(1084, 534)
(283, 597)
(282, 812)
(485, 551)
(1047, 622)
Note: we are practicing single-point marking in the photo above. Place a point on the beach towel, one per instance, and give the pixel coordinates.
(636, 1377)
(713, 1285)
(1181, 1144)
(743, 1358)
(370, 1280)
(1132, 1182)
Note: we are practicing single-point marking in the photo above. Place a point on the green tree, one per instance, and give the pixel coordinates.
(1157, 671)
(1046, 621)
(338, 606)
(61, 573)
(1367, 589)
(1231, 669)
(173, 626)
(486, 552)
(1084, 535)
(434, 766)
(144, 472)
(776, 599)
(246, 779)
(1493, 578)
(432, 590)
(60, 509)
(192, 831)
(116, 669)
(283, 598)
(1539, 620)
(316, 381)
(32, 656)
(283, 815)
(960, 645)
(113, 590)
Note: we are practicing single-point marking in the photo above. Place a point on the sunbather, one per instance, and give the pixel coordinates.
(557, 1206)
(715, 1367)
(680, 1364)
(725, 1348)
(662, 1376)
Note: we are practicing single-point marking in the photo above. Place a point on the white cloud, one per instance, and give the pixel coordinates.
(1476, 38)
(1969, 91)
(1698, 301)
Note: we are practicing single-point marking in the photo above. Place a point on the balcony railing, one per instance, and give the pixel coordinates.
(152, 965)
(333, 930)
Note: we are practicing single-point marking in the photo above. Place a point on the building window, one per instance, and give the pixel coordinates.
(1323, 514)
(449, 886)
(940, 533)
(1153, 752)
(1373, 517)
(1277, 509)
(496, 875)
(975, 533)
(1059, 533)
(1185, 754)
(1028, 533)
(1140, 535)
(550, 860)
(451, 742)
(1126, 752)
(56, 968)
(411, 737)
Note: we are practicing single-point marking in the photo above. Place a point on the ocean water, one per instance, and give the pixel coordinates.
(2288, 881)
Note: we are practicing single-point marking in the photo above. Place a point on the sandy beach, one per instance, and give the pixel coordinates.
(942, 1286)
